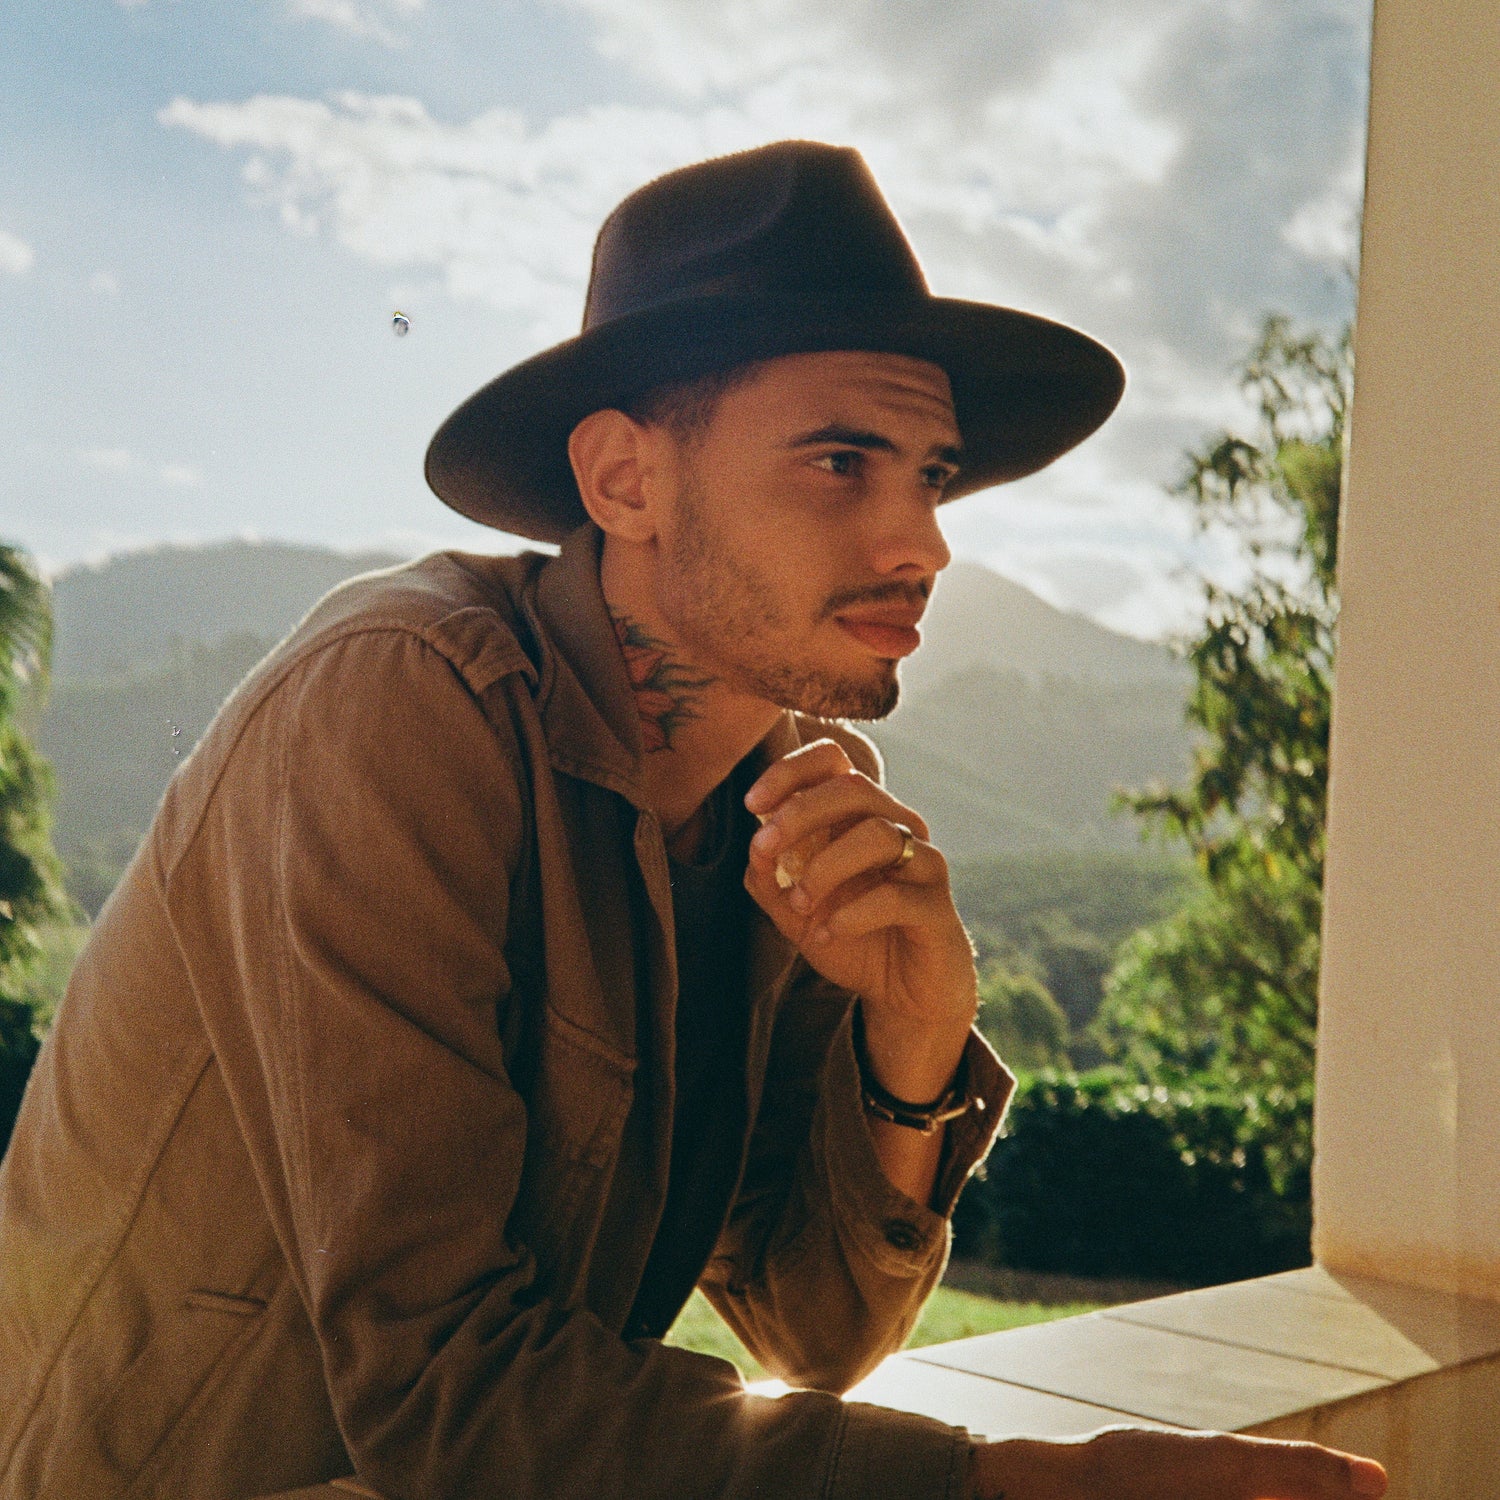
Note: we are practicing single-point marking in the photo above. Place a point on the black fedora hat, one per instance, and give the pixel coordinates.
(786, 249)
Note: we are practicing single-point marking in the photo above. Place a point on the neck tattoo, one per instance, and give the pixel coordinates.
(666, 692)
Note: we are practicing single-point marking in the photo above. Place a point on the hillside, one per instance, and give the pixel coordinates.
(114, 742)
(131, 610)
(999, 763)
(1018, 721)
(978, 619)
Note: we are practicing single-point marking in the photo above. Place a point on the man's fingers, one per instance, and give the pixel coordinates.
(1133, 1463)
(828, 806)
(874, 908)
(872, 847)
(1366, 1477)
(803, 767)
(1305, 1471)
(1276, 1469)
(1129, 1462)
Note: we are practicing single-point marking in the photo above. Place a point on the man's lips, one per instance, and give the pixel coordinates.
(889, 633)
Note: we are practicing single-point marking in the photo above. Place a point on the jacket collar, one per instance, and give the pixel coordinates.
(583, 691)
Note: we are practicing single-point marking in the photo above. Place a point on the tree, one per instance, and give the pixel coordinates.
(1020, 1019)
(1227, 987)
(31, 893)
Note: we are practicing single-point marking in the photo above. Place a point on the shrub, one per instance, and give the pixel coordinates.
(1100, 1176)
(1020, 1019)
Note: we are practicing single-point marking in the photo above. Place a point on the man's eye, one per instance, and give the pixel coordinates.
(843, 463)
(939, 476)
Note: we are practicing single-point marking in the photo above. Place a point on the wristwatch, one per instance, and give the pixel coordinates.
(954, 1101)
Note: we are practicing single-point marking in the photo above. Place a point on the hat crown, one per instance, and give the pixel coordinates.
(796, 221)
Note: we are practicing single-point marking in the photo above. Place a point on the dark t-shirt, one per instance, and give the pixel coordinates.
(711, 911)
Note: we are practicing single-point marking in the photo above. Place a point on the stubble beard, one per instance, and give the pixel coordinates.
(723, 608)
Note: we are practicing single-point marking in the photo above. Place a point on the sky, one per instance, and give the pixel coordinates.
(212, 212)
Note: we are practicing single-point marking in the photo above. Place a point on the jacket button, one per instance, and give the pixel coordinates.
(901, 1235)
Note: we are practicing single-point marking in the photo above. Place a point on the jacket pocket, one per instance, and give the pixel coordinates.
(184, 1349)
(225, 1302)
(578, 1093)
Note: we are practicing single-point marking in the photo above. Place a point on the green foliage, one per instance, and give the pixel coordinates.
(1021, 1020)
(30, 891)
(1059, 918)
(1098, 1175)
(1228, 986)
(18, 1050)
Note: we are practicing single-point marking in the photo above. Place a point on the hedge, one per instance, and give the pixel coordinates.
(1097, 1175)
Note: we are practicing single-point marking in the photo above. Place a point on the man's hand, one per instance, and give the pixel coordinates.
(886, 930)
(1134, 1463)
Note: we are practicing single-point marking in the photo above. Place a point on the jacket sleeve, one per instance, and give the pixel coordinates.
(824, 1265)
(351, 875)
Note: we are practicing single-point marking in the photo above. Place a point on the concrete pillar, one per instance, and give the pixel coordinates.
(1407, 1181)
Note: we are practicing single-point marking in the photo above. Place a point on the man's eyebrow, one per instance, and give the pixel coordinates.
(855, 437)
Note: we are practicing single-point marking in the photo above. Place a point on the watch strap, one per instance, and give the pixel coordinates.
(953, 1102)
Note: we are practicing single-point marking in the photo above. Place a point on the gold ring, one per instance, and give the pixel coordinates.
(908, 846)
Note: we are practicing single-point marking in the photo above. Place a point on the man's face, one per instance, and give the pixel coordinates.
(803, 542)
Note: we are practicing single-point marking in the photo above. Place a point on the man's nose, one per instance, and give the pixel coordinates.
(906, 537)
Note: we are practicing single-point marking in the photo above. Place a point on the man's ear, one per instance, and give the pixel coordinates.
(613, 459)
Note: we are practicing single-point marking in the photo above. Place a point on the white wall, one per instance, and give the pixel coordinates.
(1407, 1181)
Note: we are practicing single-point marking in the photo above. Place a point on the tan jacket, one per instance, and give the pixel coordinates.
(311, 1177)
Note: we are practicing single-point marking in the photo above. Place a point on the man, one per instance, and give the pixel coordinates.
(456, 1017)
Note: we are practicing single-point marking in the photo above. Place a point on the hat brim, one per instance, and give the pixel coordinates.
(1025, 391)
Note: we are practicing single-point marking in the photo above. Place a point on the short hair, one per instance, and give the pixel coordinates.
(686, 407)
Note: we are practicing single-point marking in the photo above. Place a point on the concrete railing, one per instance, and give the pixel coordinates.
(1405, 1375)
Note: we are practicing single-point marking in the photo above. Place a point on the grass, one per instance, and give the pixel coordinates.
(950, 1314)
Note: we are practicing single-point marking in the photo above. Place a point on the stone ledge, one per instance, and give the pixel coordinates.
(1410, 1376)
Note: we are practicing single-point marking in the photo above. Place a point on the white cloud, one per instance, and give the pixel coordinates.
(358, 17)
(108, 460)
(505, 213)
(1130, 168)
(1326, 227)
(105, 283)
(121, 462)
(16, 256)
(695, 49)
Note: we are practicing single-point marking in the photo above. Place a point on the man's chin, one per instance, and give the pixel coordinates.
(821, 694)
(849, 699)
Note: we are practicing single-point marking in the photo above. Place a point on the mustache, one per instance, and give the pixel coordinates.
(914, 595)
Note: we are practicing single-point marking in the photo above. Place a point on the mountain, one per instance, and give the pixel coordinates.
(976, 618)
(999, 763)
(1017, 723)
(113, 742)
(132, 610)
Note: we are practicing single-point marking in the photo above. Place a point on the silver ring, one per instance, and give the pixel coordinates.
(908, 846)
